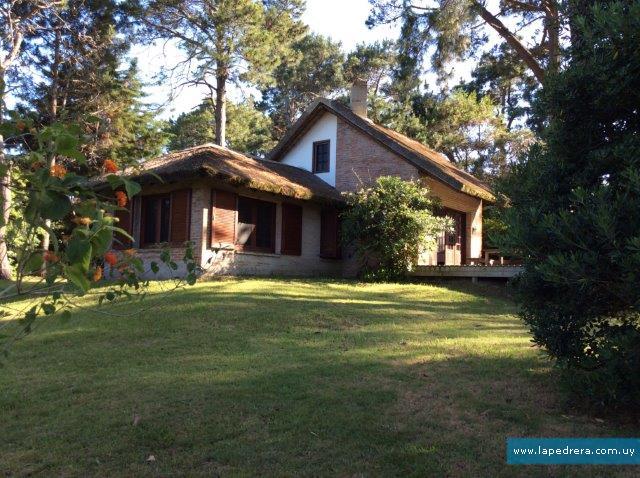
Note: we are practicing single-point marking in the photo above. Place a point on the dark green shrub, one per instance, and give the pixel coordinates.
(575, 211)
(389, 224)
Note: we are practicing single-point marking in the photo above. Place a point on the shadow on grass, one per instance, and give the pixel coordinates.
(278, 381)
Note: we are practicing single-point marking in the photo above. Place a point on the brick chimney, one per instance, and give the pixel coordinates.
(359, 98)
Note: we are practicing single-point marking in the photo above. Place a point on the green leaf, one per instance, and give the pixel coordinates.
(114, 181)
(122, 232)
(79, 253)
(34, 263)
(54, 205)
(101, 241)
(77, 155)
(48, 308)
(67, 145)
(131, 187)
(77, 277)
(72, 179)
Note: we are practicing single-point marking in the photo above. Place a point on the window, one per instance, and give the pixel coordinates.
(156, 212)
(330, 234)
(291, 230)
(321, 156)
(256, 225)
(166, 218)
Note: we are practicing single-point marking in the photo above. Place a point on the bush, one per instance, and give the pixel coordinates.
(389, 225)
(575, 212)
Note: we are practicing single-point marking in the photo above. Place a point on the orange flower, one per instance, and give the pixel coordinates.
(50, 256)
(110, 166)
(130, 252)
(58, 171)
(122, 199)
(97, 274)
(111, 258)
(82, 221)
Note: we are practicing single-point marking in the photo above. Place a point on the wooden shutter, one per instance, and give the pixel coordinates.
(329, 234)
(125, 221)
(291, 230)
(180, 216)
(223, 221)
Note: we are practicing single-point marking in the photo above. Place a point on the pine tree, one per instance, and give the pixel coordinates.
(17, 20)
(224, 41)
(574, 214)
(313, 69)
(249, 129)
(452, 28)
(78, 56)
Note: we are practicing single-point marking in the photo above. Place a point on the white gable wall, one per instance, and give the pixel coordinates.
(301, 155)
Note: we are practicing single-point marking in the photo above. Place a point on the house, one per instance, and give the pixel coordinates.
(279, 215)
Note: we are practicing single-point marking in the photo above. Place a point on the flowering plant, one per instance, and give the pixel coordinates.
(67, 221)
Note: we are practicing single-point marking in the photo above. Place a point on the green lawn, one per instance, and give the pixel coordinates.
(275, 377)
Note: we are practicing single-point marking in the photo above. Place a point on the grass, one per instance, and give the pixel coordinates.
(277, 377)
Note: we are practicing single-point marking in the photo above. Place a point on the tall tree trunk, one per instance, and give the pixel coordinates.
(5, 193)
(552, 24)
(221, 109)
(53, 113)
(521, 50)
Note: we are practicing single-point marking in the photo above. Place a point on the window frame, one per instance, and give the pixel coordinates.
(251, 246)
(330, 222)
(286, 248)
(315, 158)
(144, 242)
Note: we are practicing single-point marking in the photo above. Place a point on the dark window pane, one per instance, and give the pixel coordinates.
(264, 226)
(321, 156)
(165, 211)
(245, 221)
(150, 220)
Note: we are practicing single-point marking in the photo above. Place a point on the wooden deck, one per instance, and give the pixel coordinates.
(474, 272)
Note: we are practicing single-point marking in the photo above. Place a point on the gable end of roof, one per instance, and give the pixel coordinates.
(461, 180)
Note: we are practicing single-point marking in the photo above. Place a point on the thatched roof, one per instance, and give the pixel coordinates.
(425, 159)
(236, 169)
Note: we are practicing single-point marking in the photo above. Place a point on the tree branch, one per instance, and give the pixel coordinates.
(513, 41)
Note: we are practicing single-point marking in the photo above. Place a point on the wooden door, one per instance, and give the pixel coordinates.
(452, 245)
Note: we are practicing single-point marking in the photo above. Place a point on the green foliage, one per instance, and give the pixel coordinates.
(502, 76)
(249, 130)
(78, 73)
(467, 128)
(454, 30)
(193, 128)
(493, 225)
(79, 216)
(373, 63)
(240, 42)
(389, 224)
(575, 212)
(311, 69)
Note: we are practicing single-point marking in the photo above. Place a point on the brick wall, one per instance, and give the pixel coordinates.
(241, 263)
(308, 263)
(360, 160)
